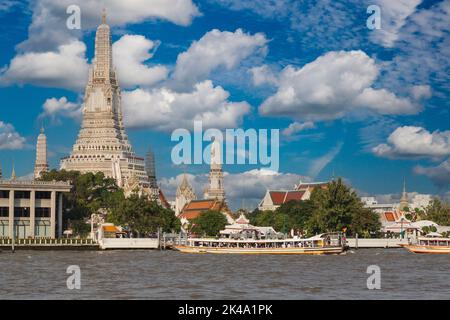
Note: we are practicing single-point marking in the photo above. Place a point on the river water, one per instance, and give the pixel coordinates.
(173, 275)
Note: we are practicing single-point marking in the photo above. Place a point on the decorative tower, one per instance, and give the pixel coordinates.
(185, 194)
(150, 168)
(215, 189)
(41, 164)
(153, 188)
(102, 144)
(404, 203)
(13, 173)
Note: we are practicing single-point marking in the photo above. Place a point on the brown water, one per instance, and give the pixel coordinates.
(173, 275)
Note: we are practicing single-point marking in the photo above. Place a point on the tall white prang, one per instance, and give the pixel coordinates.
(102, 144)
(41, 164)
(216, 189)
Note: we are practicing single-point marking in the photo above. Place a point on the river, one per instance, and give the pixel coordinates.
(173, 275)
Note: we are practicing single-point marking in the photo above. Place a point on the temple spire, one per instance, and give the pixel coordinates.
(13, 173)
(104, 16)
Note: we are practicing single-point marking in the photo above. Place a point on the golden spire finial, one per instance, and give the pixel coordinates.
(104, 16)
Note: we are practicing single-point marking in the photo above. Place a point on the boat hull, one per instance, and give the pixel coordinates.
(427, 249)
(285, 251)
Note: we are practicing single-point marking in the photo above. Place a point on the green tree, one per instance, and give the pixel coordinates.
(208, 223)
(438, 211)
(338, 207)
(141, 216)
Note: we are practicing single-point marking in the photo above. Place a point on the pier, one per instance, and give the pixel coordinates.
(48, 244)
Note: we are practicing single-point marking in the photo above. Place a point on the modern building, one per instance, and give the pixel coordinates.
(41, 164)
(31, 209)
(215, 189)
(102, 144)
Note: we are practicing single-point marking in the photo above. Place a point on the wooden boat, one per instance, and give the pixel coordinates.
(437, 245)
(331, 243)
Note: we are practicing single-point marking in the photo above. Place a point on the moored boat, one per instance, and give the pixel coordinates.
(330, 243)
(435, 245)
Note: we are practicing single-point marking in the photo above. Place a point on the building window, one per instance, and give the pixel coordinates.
(4, 212)
(42, 212)
(21, 212)
(4, 194)
(43, 195)
(22, 194)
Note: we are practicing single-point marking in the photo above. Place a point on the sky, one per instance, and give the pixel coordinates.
(367, 104)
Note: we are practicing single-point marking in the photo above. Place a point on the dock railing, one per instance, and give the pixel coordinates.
(47, 242)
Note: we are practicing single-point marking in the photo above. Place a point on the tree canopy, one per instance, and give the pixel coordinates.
(438, 211)
(142, 216)
(92, 193)
(208, 223)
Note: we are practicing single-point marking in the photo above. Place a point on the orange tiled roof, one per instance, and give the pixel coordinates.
(294, 195)
(193, 209)
(200, 204)
(389, 216)
(277, 197)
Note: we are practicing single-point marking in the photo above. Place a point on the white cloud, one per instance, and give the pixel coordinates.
(319, 164)
(216, 49)
(130, 52)
(409, 141)
(296, 127)
(265, 8)
(421, 92)
(9, 138)
(440, 175)
(48, 28)
(393, 17)
(263, 75)
(65, 68)
(246, 188)
(333, 85)
(55, 108)
(164, 109)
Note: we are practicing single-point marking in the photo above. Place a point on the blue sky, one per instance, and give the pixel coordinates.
(368, 105)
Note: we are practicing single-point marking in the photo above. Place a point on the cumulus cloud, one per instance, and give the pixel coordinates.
(9, 138)
(394, 15)
(164, 109)
(263, 75)
(332, 86)
(296, 127)
(215, 49)
(246, 188)
(440, 174)
(66, 67)
(55, 108)
(48, 28)
(129, 54)
(410, 141)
